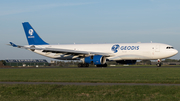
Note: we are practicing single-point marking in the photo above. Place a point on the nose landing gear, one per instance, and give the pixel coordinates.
(159, 63)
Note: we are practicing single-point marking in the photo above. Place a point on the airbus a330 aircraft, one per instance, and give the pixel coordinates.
(97, 54)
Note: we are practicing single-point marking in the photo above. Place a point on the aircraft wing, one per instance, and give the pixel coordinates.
(63, 51)
(70, 52)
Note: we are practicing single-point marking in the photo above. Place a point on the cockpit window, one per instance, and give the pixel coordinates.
(169, 47)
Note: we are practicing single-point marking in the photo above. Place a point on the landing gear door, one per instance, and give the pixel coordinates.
(157, 49)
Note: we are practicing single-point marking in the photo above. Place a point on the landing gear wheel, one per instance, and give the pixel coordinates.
(79, 64)
(104, 65)
(87, 65)
(83, 65)
(158, 64)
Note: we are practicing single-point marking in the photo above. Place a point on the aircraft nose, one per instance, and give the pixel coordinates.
(175, 51)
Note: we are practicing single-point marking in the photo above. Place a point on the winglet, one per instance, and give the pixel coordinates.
(12, 44)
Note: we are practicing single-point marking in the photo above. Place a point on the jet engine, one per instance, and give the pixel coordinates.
(96, 60)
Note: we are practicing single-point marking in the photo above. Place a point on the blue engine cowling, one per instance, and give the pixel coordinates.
(96, 60)
(129, 62)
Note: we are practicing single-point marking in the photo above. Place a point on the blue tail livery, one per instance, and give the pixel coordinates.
(31, 35)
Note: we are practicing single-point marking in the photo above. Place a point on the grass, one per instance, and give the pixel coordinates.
(88, 93)
(110, 75)
(44, 92)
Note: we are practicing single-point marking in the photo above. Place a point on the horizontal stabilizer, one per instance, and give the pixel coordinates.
(12, 44)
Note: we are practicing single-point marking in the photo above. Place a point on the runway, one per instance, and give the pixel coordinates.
(89, 84)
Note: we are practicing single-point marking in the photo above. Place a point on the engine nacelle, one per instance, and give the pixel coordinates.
(129, 62)
(96, 60)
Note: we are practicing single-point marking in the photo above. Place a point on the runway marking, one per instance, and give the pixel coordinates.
(89, 84)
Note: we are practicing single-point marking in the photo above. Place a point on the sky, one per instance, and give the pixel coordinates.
(88, 21)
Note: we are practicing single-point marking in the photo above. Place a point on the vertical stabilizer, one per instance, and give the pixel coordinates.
(31, 35)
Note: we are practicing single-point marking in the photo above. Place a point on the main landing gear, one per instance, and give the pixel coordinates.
(87, 65)
(103, 65)
(83, 65)
(159, 63)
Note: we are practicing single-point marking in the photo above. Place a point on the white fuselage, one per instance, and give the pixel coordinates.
(124, 51)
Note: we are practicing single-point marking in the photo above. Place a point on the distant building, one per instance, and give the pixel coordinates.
(171, 63)
(26, 62)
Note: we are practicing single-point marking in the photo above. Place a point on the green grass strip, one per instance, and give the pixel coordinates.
(88, 93)
(109, 75)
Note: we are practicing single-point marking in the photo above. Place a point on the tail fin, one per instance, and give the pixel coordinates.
(31, 35)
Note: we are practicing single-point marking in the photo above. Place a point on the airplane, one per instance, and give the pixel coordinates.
(97, 54)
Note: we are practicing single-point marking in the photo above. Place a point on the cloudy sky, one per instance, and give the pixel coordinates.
(88, 21)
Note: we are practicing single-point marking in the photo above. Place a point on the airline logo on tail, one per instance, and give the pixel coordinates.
(31, 32)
